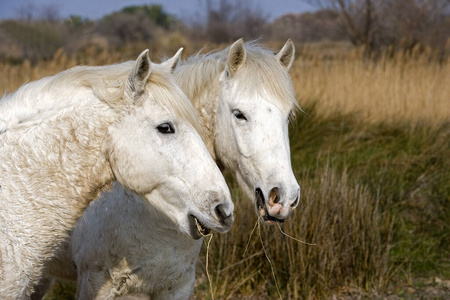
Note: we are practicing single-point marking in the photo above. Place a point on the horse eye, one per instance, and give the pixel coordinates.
(238, 114)
(166, 128)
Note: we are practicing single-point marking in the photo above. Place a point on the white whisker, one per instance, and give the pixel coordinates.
(300, 241)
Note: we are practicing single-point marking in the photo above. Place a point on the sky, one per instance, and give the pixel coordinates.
(183, 9)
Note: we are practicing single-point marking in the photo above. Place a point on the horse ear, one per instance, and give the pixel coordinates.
(287, 54)
(141, 72)
(236, 57)
(172, 63)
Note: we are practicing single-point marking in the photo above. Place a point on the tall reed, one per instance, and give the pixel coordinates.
(398, 86)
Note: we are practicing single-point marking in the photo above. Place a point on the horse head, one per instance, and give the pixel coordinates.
(251, 127)
(155, 148)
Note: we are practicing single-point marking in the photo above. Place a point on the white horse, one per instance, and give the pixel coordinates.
(65, 138)
(245, 97)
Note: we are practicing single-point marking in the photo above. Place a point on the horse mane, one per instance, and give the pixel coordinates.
(106, 82)
(261, 73)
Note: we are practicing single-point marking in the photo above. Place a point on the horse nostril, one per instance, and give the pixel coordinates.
(294, 204)
(221, 212)
(274, 196)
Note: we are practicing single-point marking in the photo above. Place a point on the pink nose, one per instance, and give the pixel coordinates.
(276, 209)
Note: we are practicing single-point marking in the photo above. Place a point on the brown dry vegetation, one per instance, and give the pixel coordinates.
(397, 86)
(341, 239)
(371, 152)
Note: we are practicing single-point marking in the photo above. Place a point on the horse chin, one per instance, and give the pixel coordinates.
(197, 228)
(262, 209)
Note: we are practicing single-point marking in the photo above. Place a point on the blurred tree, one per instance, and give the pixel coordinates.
(407, 23)
(401, 23)
(136, 24)
(125, 28)
(154, 12)
(76, 21)
(250, 20)
(50, 13)
(358, 15)
(322, 25)
(219, 19)
(26, 11)
(36, 40)
(229, 20)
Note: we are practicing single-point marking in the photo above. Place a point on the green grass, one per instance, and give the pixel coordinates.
(406, 165)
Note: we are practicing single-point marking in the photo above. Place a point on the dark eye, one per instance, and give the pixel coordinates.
(238, 114)
(166, 128)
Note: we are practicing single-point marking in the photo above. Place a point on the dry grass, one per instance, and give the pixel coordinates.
(396, 87)
(15, 75)
(341, 218)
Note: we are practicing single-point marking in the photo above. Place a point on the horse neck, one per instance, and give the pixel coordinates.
(88, 164)
(59, 158)
(203, 89)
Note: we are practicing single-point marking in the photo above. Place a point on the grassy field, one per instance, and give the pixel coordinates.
(371, 151)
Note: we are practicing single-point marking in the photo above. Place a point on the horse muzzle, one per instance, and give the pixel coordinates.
(219, 217)
(275, 209)
(225, 216)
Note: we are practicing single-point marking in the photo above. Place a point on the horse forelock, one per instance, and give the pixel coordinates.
(264, 75)
(161, 84)
(261, 74)
(167, 93)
